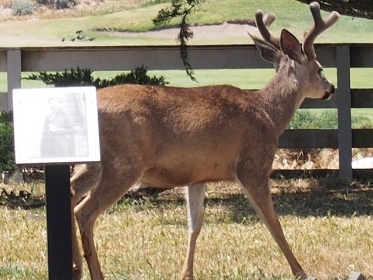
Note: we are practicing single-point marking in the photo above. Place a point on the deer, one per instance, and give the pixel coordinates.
(168, 137)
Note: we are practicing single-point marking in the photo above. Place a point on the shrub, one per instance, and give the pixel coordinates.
(306, 119)
(58, 4)
(22, 7)
(138, 76)
(83, 77)
(303, 119)
(7, 162)
(327, 119)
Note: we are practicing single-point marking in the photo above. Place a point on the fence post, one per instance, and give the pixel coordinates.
(344, 111)
(14, 70)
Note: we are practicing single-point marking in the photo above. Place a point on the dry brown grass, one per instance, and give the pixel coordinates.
(5, 3)
(327, 222)
(314, 158)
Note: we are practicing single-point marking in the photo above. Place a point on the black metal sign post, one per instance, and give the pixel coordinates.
(58, 206)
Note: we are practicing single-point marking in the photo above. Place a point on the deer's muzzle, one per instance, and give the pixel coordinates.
(329, 94)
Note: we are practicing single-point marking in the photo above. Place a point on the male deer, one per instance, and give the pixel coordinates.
(167, 136)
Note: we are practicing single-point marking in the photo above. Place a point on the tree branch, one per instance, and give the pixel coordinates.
(180, 9)
(353, 8)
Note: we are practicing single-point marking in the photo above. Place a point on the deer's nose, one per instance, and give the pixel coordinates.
(332, 91)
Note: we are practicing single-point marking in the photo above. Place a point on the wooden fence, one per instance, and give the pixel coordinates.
(339, 56)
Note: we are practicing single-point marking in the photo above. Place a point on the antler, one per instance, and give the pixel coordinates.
(319, 26)
(262, 23)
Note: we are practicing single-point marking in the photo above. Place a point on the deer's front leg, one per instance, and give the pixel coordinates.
(194, 195)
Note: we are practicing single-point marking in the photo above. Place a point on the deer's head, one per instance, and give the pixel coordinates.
(300, 60)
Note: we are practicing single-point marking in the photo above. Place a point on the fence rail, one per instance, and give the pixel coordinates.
(122, 58)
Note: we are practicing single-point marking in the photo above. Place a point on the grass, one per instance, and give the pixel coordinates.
(327, 223)
(136, 16)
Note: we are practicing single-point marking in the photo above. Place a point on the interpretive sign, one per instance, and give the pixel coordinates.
(55, 125)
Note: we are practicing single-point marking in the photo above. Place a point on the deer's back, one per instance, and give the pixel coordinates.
(196, 133)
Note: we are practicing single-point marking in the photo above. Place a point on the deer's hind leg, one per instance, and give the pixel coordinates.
(194, 195)
(257, 189)
(115, 181)
(85, 179)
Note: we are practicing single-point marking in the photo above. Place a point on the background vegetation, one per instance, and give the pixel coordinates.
(99, 20)
(7, 162)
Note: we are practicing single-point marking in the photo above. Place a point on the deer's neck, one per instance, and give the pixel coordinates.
(283, 97)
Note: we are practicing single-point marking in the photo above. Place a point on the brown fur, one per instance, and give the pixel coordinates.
(168, 137)
(168, 125)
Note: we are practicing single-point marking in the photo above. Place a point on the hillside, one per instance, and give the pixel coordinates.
(114, 23)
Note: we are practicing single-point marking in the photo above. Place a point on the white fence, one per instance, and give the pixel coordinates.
(339, 56)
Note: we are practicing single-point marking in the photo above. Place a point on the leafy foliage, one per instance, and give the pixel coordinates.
(58, 4)
(180, 9)
(83, 77)
(303, 119)
(22, 7)
(138, 76)
(7, 162)
(78, 77)
(353, 8)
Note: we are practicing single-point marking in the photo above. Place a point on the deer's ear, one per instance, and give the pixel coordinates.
(291, 46)
(267, 51)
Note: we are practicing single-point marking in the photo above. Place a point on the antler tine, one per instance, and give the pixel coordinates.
(319, 26)
(268, 19)
(262, 23)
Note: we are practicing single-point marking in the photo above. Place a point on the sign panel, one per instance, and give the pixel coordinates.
(55, 125)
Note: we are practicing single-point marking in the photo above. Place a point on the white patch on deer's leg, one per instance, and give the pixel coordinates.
(77, 259)
(261, 200)
(195, 196)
